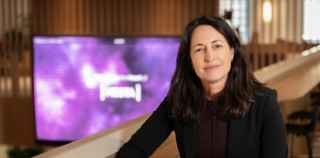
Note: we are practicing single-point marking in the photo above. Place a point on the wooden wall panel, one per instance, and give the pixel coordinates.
(14, 38)
(117, 17)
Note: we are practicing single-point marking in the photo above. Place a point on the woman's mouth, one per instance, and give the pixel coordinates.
(210, 67)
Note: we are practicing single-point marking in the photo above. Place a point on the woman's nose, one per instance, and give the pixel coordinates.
(209, 55)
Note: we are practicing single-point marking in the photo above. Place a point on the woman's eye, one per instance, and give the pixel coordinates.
(217, 46)
(198, 50)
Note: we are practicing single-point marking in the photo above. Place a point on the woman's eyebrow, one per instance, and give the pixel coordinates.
(200, 44)
(216, 41)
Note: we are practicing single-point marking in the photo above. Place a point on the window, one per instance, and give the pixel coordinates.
(311, 24)
(240, 16)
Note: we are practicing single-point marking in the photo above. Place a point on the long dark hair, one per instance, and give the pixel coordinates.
(186, 94)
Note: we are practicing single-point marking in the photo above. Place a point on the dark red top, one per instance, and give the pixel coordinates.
(213, 133)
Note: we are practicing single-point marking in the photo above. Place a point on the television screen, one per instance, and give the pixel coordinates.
(84, 84)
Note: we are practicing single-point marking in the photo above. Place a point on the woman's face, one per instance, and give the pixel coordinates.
(211, 54)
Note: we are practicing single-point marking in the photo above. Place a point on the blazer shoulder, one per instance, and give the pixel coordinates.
(166, 107)
(265, 99)
(264, 92)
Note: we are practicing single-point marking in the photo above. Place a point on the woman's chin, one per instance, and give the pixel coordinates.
(215, 79)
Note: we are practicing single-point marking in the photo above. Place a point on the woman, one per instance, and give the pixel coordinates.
(215, 106)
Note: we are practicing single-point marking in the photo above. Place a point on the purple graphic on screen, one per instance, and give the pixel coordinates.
(83, 85)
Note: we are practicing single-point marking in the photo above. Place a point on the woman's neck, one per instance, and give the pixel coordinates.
(212, 89)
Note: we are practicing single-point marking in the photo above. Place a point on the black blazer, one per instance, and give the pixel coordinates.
(259, 134)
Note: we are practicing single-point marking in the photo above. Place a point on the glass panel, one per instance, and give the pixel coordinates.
(240, 16)
(311, 25)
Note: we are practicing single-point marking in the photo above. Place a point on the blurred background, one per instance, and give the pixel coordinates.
(271, 31)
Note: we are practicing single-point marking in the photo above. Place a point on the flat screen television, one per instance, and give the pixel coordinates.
(85, 84)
